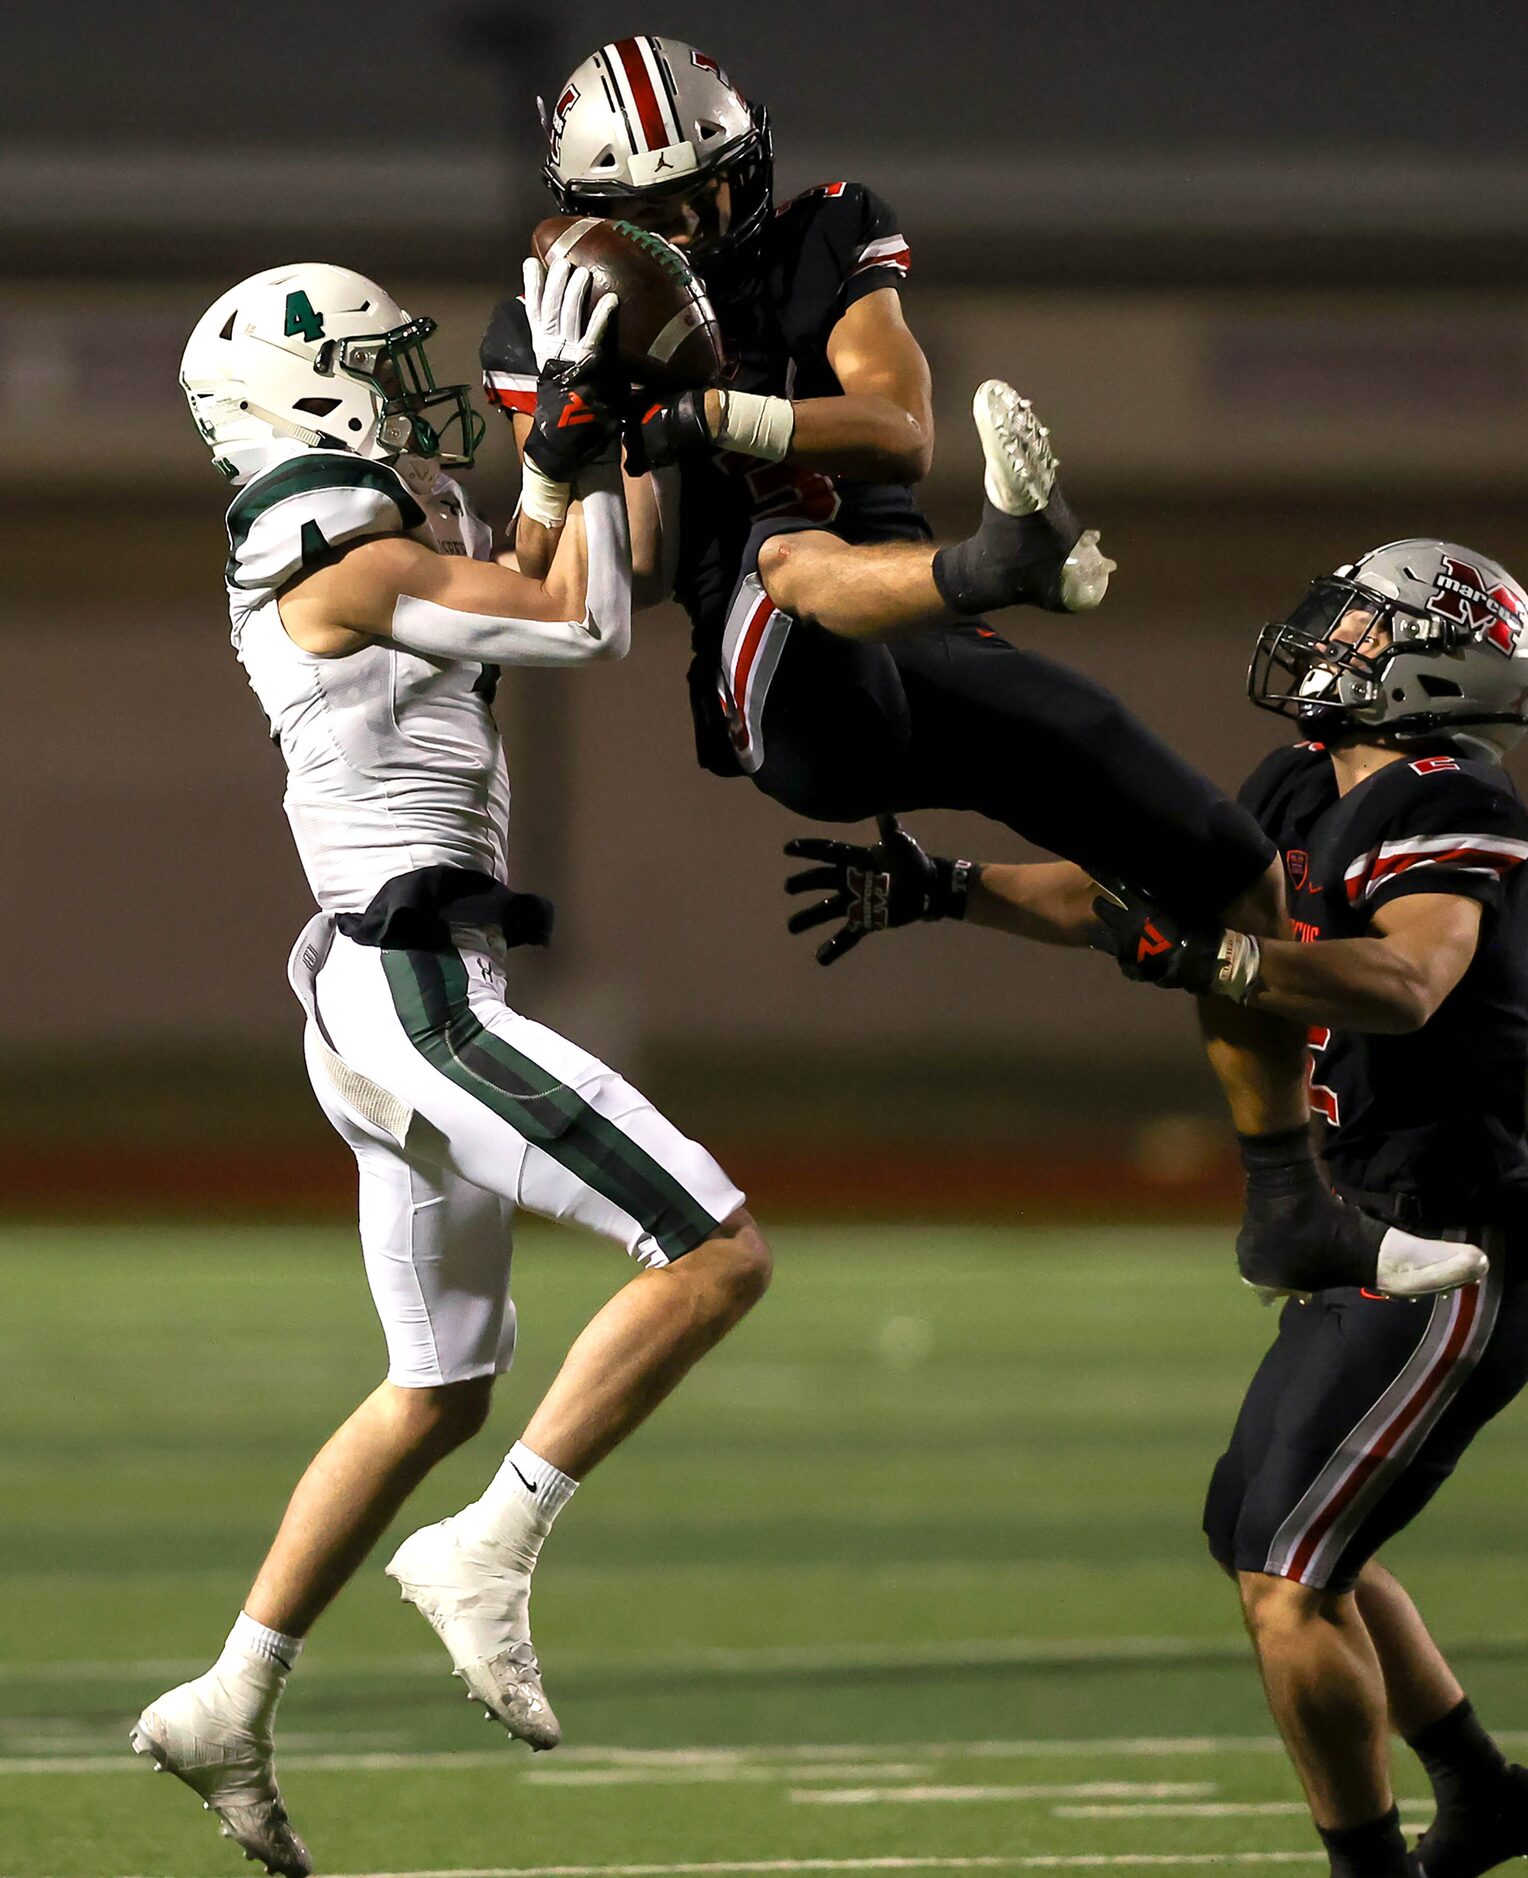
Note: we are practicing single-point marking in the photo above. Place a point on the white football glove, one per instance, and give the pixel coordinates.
(554, 303)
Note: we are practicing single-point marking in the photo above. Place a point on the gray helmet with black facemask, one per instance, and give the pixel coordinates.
(1418, 639)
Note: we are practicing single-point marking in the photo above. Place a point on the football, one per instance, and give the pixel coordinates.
(665, 329)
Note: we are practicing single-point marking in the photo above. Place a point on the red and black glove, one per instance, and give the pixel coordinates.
(658, 434)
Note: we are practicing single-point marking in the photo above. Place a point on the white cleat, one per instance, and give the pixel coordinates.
(231, 1771)
(1021, 466)
(1019, 476)
(478, 1608)
(1410, 1267)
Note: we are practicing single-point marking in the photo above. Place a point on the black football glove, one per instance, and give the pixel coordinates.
(1153, 946)
(658, 434)
(874, 888)
(576, 419)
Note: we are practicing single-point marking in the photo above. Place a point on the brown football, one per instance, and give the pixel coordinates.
(665, 330)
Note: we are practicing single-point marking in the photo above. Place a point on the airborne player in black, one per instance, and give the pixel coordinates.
(1404, 845)
(839, 660)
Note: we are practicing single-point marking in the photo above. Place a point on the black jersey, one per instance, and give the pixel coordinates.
(1438, 1114)
(823, 250)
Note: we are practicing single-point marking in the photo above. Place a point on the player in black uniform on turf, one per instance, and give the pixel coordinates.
(1404, 845)
(839, 660)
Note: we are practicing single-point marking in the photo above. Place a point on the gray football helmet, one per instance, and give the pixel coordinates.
(1418, 638)
(646, 118)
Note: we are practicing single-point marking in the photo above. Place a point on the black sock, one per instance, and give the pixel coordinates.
(1011, 560)
(1462, 1761)
(1296, 1234)
(1377, 1850)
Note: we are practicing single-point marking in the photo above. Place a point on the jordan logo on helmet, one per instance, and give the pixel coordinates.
(1494, 614)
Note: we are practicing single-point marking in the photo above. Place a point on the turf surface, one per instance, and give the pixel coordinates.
(908, 1575)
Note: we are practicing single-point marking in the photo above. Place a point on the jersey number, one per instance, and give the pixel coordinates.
(300, 317)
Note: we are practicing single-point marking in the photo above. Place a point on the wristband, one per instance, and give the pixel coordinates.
(542, 499)
(951, 888)
(1237, 963)
(761, 427)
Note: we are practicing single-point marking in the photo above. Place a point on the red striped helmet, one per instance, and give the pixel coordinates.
(647, 119)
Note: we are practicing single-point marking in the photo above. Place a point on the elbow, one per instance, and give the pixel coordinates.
(1408, 1007)
(611, 645)
(911, 454)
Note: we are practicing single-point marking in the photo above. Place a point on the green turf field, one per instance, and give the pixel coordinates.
(907, 1576)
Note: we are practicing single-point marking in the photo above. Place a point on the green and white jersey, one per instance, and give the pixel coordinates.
(393, 760)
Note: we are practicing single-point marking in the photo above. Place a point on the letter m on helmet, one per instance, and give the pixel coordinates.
(1492, 614)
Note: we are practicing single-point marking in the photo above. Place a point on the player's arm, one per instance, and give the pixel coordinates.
(537, 534)
(879, 428)
(1391, 980)
(394, 587)
(894, 882)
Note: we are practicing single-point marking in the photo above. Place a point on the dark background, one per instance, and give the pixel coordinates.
(1263, 268)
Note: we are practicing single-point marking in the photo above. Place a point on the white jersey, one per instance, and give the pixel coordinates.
(393, 760)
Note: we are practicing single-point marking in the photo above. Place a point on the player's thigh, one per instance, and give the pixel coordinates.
(514, 1108)
(436, 1247)
(1364, 1431)
(1062, 761)
(818, 721)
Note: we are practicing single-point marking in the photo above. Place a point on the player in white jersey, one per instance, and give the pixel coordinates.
(371, 623)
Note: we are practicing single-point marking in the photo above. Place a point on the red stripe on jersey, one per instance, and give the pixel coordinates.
(524, 401)
(1389, 1436)
(742, 669)
(642, 92)
(899, 258)
(1472, 854)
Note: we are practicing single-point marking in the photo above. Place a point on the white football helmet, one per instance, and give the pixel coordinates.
(1418, 638)
(644, 119)
(322, 356)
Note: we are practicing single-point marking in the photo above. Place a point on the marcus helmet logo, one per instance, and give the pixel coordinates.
(1494, 615)
(1298, 863)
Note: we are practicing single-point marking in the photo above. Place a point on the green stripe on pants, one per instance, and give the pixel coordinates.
(429, 991)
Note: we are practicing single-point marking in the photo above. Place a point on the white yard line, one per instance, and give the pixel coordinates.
(1084, 1790)
(719, 1773)
(1076, 1861)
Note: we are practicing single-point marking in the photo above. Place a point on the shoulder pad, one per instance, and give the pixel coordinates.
(508, 358)
(1436, 823)
(295, 515)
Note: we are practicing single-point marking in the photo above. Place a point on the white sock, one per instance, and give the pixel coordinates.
(253, 1669)
(517, 1511)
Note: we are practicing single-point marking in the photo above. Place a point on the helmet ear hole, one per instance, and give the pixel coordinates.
(1440, 687)
(316, 407)
(227, 332)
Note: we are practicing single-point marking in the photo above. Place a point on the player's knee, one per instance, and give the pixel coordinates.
(739, 1264)
(789, 566)
(1274, 1607)
(442, 1416)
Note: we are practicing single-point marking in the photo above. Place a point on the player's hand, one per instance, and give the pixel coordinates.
(872, 889)
(556, 299)
(576, 418)
(658, 434)
(1152, 945)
